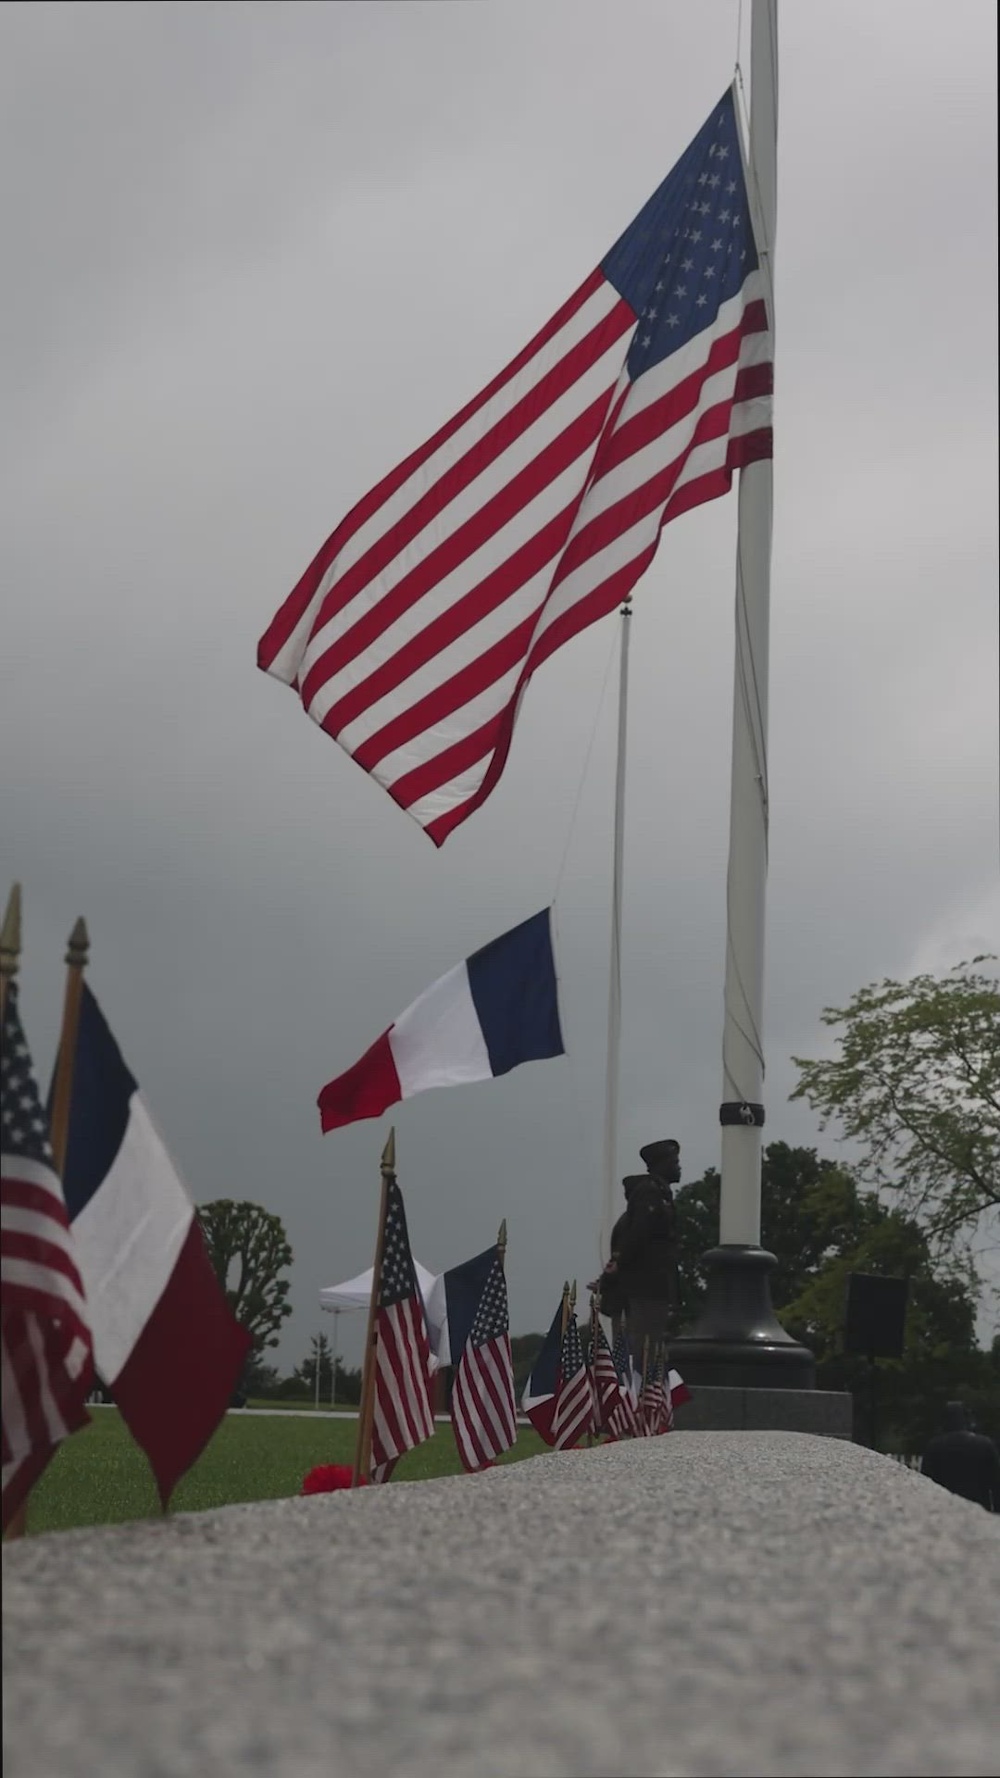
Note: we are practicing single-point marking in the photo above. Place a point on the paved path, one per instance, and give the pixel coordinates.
(709, 1603)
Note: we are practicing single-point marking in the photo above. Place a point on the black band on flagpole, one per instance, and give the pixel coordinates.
(739, 1111)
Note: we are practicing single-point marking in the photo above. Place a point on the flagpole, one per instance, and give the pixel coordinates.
(10, 943)
(77, 954)
(595, 1323)
(615, 971)
(366, 1409)
(737, 1340)
(10, 963)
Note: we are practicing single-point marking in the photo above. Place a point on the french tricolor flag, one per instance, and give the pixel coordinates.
(165, 1341)
(497, 1009)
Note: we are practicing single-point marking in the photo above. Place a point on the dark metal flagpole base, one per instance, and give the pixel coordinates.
(737, 1341)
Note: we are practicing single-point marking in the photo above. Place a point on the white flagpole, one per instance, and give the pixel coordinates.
(742, 1113)
(615, 973)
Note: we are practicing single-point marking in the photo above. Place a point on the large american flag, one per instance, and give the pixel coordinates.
(412, 635)
(483, 1411)
(574, 1408)
(403, 1416)
(45, 1350)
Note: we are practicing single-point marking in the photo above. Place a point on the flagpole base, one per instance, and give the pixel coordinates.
(737, 1341)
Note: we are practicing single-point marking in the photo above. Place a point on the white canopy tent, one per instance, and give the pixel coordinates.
(356, 1293)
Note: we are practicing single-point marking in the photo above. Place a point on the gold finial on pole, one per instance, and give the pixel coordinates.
(77, 954)
(10, 933)
(78, 948)
(388, 1161)
(565, 1309)
(10, 942)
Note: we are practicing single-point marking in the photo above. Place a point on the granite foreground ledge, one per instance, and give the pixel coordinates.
(706, 1603)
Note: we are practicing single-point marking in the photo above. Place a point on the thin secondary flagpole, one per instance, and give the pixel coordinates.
(615, 972)
(366, 1409)
(742, 1112)
(10, 963)
(77, 953)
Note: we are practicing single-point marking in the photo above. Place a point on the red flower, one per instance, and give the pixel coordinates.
(327, 1477)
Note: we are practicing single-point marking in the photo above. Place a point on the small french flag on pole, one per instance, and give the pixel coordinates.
(497, 1009)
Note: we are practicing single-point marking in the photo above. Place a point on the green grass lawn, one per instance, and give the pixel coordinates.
(99, 1476)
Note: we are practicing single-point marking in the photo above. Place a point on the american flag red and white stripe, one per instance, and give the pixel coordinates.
(483, 1409)
(413, 634)
(403, 1416)
(46, 1354)
(624, 1422)
(656, 1409)
(607, 1384)
(573, 1414)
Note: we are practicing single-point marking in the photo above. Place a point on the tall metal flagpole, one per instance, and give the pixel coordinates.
(615, 973)
(737, 1340)
(742, 1111)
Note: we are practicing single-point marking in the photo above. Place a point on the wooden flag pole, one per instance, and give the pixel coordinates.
(594, 1322)
(645, 1372)
(77, 954)
(366, 1410)
(10, 963)
(10, 943)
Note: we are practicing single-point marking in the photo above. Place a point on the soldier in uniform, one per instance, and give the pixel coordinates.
(647, 1254)
(640, 1280)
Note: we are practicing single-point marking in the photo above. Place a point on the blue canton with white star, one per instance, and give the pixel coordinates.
(398, 1280)
(690, 248)
(24, 1124)
(491, 1320)
(572, 1350)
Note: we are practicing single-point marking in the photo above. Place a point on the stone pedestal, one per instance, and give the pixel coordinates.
(714, 1409)
(737, 1341)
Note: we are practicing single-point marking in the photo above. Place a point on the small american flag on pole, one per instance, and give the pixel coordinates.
(483, 1409)
(624, 1421)
(411, 637)
(46, 1354)
(574, 1408)
(402, 1415)
(656, 1409)
(607, 1384)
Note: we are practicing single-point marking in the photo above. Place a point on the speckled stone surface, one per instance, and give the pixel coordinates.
(707, 1603)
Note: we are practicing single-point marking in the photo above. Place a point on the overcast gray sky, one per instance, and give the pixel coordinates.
(254, 254)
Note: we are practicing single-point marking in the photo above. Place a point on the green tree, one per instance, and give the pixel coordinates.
(320, 1353)
(915, 1084)
(249, 1250)
(821, 1227)
(259, 1379)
